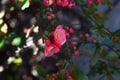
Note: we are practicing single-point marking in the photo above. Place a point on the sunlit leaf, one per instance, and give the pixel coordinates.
(4, 28)
(17, 61)
(25, 5)
(2, 13)
(2, 42)
(16, 41)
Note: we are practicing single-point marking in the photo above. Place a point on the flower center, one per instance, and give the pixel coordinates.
(58, 34)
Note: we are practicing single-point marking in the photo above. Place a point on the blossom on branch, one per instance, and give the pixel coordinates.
(55, 40)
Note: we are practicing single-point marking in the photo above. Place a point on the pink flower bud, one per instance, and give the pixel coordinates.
(64, 3)
(99, 1)
(47, 42)
(71, 31)
(70, 78)
(73, 43)
(81, 36)
(76, 52)
(49, 17)
(67, 35)
(25, 30)
(89, 2)
(94, 41)
(58, 2)
(48, 2)
(86, 35)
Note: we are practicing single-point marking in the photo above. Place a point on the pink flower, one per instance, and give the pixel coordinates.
(71, 5)
(51, 50)
(58, 2)
(89, 2)
(64, 3)
(47, 42)
(59, 35)
(98, 1)
(48, 2)
(54, 41)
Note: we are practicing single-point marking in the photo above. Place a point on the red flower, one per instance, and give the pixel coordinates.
(51, 50)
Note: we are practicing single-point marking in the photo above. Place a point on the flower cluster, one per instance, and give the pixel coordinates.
(92, 1)
(55, 41)
(61, 3)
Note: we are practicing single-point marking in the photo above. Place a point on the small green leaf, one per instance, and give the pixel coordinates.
(62, 75)
(116, 33)
(10, 78)
(83, 78)
(100, 18)
(17, 61)
(103, 33)
(90, 45)
(25, 5)
(111, 56)
(107, 41)
(41, 71)
(95, 57)
(16, 41)
(2, 43)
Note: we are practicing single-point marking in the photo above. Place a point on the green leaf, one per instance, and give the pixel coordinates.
(10, 78)
(16, 41)
(114, 71)
(25, 5)
(107, 41)
(95, 57)
(111, 56)
(11, 36)
(100, 18)
(77, 74)
(89, 11)
(17, 61)
(103, 33)
(62, 75)
(103, 52)
(41, 71)
(81, 1)
(2, 42)
(116, 33)
(83, 78)
(90, 45)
